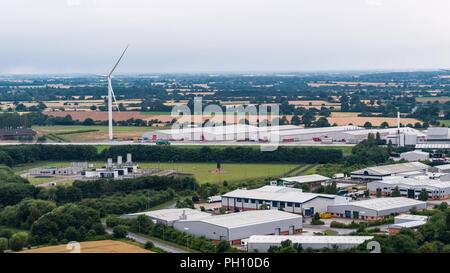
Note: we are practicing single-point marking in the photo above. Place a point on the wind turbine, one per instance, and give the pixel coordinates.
(111, 95)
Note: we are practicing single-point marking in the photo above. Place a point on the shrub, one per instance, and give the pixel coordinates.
(120, 231)
(3, 244)
(149, 245)
(18, 241)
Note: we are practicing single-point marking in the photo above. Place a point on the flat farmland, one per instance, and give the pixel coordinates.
(341, 119)
(344, 114)
(206, 172)
(125, 115)
(431, 99)
(445, 123)
(105, 246)
(203, 172)
(92, 133)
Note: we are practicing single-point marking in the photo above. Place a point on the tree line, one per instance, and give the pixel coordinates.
(19, 154)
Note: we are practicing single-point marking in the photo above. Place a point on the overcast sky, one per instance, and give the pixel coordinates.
(71, 36)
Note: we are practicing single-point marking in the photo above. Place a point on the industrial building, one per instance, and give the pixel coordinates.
(335, 133)
(262, 243)
(231, 132)
(168, 216)
(443, 168)
(17, 133)
(375, 209)
(314, 180)
(411, 187)
(438, 134)
(119, 170)
(409, 221)
(273, 198)
(234, 227)
(236, 132)
(406, 136)
(73, 169)
(415, 156)
(379, 172)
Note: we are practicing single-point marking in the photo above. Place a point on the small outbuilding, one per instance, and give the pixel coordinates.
(415, 156)
(313, 180)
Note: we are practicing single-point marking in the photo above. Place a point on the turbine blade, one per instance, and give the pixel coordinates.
(115, 101)
(123, 53)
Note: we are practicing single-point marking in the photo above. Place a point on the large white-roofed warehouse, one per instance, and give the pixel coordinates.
(262, 243)
(273, 197)
(375, 209)
(231, 132)
(335, 133)
(411, 187)
(234, 227)
(380, 172)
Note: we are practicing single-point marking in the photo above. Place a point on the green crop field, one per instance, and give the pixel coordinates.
(75, 133)
(445, 123)
(203, 172)
(67, 128)
(40, 180)
(206, 172)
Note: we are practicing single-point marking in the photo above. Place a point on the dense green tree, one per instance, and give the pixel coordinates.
(423, 195)
(149, 245)
(222, 247)
(18, 241)
(120, 231)
(3, 244)
(396, 192)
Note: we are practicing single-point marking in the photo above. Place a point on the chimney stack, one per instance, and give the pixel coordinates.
(109, 163)
(183, 216)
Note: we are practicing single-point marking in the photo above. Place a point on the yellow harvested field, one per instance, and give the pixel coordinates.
(344, 114)
(106, 246)
(375, 121)
(333, 83)
(312, 102)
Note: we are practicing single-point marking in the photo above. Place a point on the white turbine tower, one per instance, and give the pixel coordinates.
(111, 95)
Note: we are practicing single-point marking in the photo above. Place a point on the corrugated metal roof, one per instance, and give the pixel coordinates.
(433, 146)
(411, 217)
(443, 167)
(281, 194)
(394, 168)
(410, 224)
(172, 214)
(306, 239)
(306, 178)
(318, 130)
(416, 182)
(246, 218)
(379, 204)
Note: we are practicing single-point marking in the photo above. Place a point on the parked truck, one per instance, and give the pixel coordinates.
(213, 199)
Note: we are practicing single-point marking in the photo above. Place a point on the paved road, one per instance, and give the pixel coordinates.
(66, 178)
(190, 143)
(143, 240)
